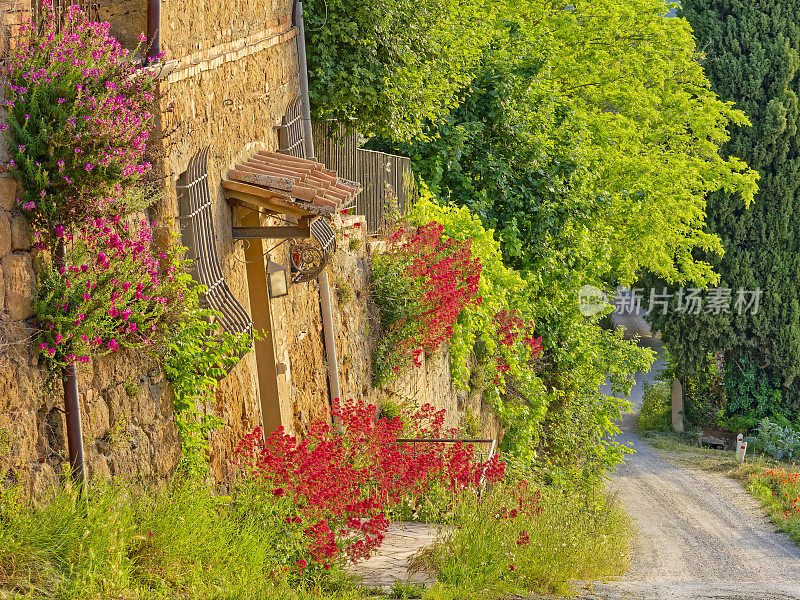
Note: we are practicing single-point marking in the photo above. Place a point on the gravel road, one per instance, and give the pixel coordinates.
(700, 535)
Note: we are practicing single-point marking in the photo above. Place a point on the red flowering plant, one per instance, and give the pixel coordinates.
(78, 120)
(344, 485)
(421, 284)
(516, 344)
(112, 291)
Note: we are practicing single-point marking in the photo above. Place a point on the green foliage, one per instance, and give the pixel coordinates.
(471, 423)
(656, 410)
(490, 553)
(5, 442)
(389, 410)
(196, 357)
(78, 120)
(391, 65)
(569, 136)
(752, 394)
(567, 143)
(177, 541)
(779, 442)
(131, 388)
(559, 395)
(344, 292)
(703, 394)
(750, 54)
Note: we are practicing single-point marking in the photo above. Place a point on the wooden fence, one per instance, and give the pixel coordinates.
(387, 179)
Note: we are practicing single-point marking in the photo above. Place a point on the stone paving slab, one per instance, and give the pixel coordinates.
(390, 563)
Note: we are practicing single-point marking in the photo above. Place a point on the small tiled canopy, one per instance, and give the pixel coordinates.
(285, 184)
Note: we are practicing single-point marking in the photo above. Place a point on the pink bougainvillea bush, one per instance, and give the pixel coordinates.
(344, 484)
(421, 284)
(112, 291)
(78, 120)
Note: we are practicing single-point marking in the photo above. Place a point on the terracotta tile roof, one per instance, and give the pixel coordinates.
(289, 182)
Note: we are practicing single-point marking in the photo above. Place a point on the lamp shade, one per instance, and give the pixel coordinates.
(277, 280)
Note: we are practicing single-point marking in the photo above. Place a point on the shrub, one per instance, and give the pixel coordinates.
(656, 411)
(774, 440)
(112, 291)
(517, 539)
(421, 285)
(197, 355)
(344, 485)
(752, 395)
(779, 492)
(78, 120)
(493, 346)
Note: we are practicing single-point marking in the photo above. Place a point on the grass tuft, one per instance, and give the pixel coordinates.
(510, 543)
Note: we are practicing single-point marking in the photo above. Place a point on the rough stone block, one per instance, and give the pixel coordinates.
(20, 233)
(164, 439)
(144, 407)
(97, 466)
(119, 404)
(20, 284)
(5, 234)
(94, 415)
(8, 192)
(40, 480)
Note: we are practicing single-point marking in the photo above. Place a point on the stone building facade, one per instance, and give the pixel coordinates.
(231, 71)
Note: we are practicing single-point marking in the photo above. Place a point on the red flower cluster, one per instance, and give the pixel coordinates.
(516, 337)
(510, 328)
(343, 484)
(423, 282)
(785, 488)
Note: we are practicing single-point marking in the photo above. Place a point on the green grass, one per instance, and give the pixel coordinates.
(682, 449)
(181, 541)
(174, 542)
(778, 489)
(481, 553)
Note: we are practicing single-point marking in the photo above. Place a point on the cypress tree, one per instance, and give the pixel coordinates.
(751, 58)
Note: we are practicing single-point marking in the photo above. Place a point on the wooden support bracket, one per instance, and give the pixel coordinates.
(271, 233)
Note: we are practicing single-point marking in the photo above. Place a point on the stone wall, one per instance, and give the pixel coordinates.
(224, 90)
(229, 93)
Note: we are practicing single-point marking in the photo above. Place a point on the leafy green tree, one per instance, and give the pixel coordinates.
(593, 126)
(588, 139)
(391, 65)
(751, 56)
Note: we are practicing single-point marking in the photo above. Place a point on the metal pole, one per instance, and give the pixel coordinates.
(330, 340)
(72, 406)
(305, 103)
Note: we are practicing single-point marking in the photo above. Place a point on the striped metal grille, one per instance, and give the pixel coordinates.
(232, 315)
(323, 233)
(290, 132)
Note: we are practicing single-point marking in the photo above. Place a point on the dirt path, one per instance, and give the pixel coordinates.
(700, 535)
